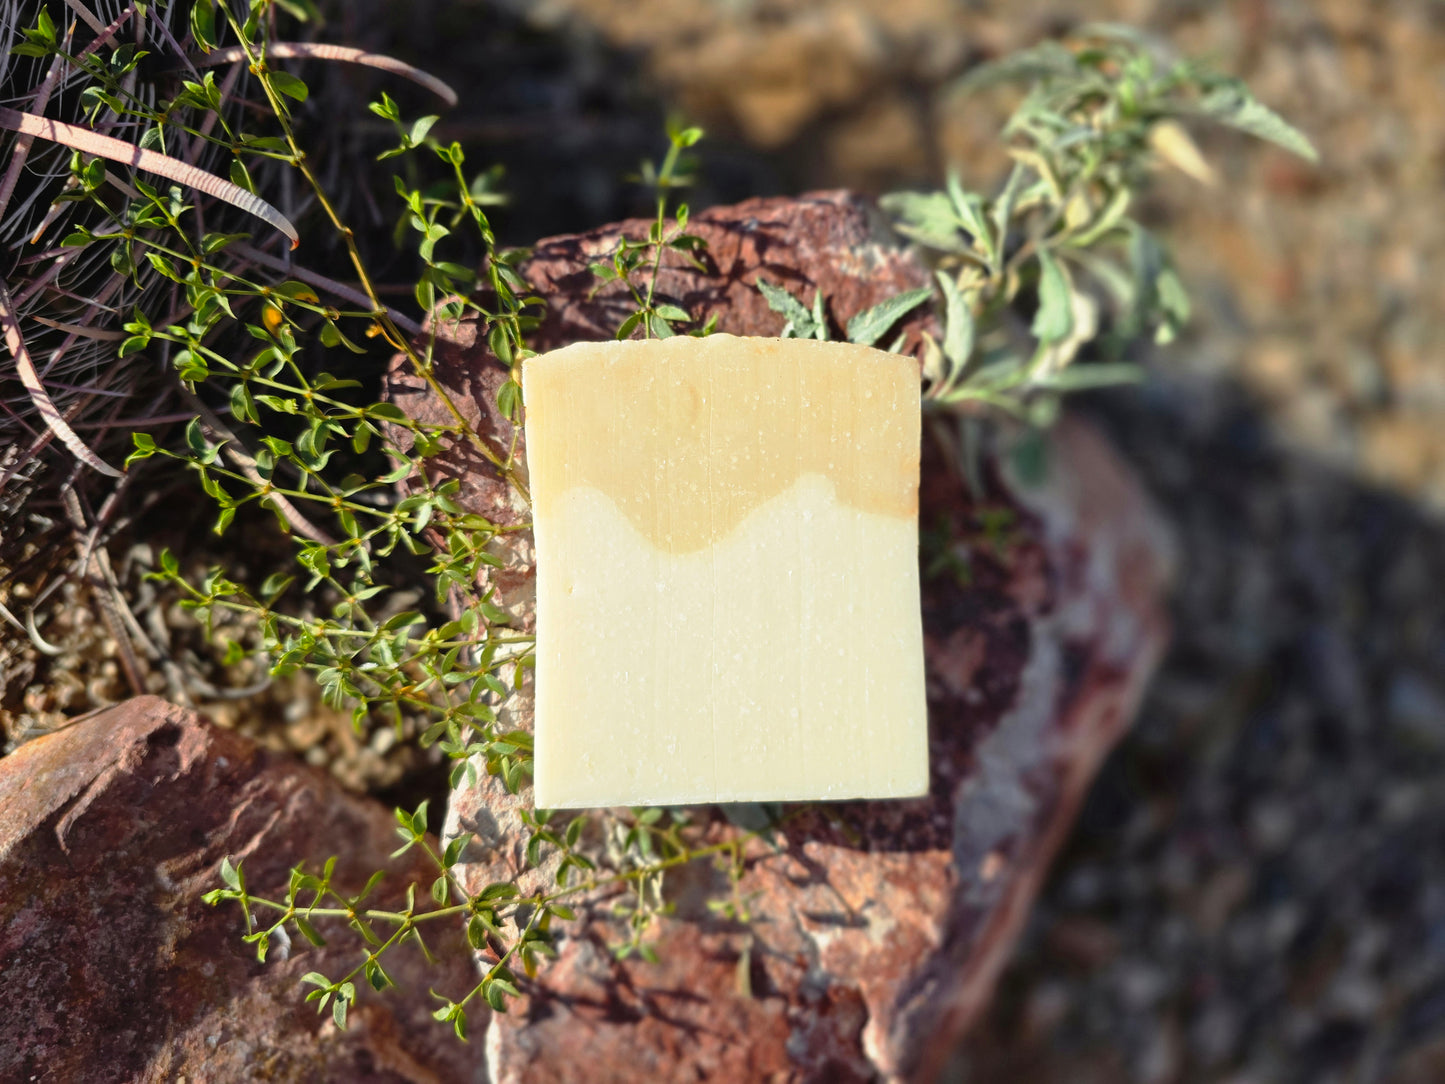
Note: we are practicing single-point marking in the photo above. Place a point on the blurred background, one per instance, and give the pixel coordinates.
(1255, 891)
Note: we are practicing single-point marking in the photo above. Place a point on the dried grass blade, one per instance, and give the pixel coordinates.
(86, 15)
(44, 278)
(15, 340)
(324, 51)
(163, 24)
(36, 447)
(10, 618)
(107, 34)
(120, 184)
(117, 150)
(21, 150)
(103, 334)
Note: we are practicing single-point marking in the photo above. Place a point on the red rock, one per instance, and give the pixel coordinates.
(878, 929)
(113, 968)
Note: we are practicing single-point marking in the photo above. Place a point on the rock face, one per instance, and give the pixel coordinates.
(877, 929)
(114, 970)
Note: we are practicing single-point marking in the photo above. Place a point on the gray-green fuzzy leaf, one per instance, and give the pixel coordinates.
(800, 322)
(1042, 61)
(1080, 377)
(957, 323)
(1236, 107)
(870, 325)
(1054, 319)
(926, 217)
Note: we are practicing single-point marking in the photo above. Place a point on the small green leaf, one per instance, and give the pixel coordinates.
(1080, 377)
(308, 931)
(1003, 208)
(203, 24)
(927, 217)
(454, 850)
(574, 830)
(1041, 62)
(241, 176)
(229, 873)
(376, 975)
(629, 325)
(870, 325)
(295, 291)
(289, 85)
(386, 411)
(968, 206)
(957, 322)
(1235, 106)
(196, 440)
(496, 998)
(386, 108)
(1054, 319)
(163, 266)
(800, 323)
(1110, 217)
(1173, 299)
(145, 447)
(509, 399)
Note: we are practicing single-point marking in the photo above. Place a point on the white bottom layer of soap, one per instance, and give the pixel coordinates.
(784, 663)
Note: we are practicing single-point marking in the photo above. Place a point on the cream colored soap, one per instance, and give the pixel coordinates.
(727, 572)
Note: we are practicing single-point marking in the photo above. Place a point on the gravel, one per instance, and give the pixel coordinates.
(1255, 890)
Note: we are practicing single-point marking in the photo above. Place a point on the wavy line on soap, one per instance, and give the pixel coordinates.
(626, 462)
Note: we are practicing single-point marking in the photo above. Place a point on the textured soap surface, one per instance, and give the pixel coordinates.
(727, 573)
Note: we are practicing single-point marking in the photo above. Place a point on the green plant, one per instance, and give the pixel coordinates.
(1054, 267)
(303, 443)
(514, 928)
(654, 319)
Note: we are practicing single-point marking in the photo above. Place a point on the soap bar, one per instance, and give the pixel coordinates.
(727, 572)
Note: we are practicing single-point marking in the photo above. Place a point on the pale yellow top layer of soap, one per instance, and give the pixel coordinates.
(721, 424)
